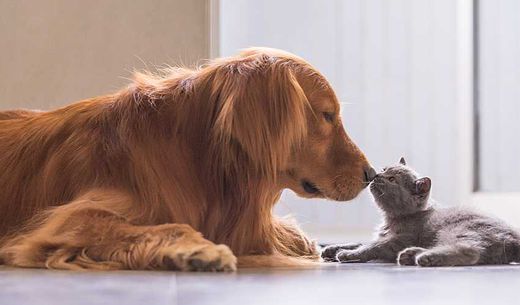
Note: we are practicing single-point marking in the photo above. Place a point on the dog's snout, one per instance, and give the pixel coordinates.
(370, 174)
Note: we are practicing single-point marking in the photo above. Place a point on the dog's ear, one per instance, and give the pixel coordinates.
(262, 108)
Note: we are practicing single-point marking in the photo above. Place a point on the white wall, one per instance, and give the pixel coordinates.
(55, 52)
(394, 67)
(500, 95)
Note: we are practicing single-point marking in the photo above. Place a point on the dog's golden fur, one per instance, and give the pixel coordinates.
(179, 171)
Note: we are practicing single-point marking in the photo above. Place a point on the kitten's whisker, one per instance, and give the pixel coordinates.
(377, 183)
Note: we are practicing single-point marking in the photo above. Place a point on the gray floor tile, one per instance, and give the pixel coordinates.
(329, 284)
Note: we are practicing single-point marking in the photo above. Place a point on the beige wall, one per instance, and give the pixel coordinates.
(54, 52)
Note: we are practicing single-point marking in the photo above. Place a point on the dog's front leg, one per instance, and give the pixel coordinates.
(291, 241)
(95, 232)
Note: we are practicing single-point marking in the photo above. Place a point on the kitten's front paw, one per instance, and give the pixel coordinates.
(407, 256)
(329, 253)
(348, 256)
(431, 259)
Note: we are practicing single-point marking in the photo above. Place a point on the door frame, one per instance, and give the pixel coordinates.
(505, 205)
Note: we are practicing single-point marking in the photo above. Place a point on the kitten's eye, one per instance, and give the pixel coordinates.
(391, 179)
(329, 116)
(384, 169)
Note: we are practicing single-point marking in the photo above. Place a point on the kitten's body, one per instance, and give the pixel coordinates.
(416, 233)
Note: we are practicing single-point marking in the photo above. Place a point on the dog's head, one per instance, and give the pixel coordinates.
(284, 116)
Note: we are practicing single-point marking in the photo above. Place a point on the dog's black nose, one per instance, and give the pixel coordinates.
(370, 174)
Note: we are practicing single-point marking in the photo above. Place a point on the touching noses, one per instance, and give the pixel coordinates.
(370, 174)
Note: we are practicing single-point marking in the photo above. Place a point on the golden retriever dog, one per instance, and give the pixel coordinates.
(178, 171)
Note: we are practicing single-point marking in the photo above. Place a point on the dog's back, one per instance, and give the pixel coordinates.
(43, 157)
(17, 114)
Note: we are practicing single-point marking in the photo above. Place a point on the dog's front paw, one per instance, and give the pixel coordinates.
(348, 256)
(203, 258)
(408, 255)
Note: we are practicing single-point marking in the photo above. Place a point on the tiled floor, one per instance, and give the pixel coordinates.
(355, 284)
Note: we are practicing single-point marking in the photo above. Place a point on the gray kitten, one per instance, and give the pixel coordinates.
(416, 233)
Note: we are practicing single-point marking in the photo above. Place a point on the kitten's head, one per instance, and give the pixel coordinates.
(398, 190)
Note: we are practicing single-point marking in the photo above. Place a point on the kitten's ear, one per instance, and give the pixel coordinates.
(423, 186)
(402, 161)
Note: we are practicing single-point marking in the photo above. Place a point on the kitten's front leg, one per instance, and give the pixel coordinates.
(329, 253)
(383, 250)
(452, 255)
(408, 255)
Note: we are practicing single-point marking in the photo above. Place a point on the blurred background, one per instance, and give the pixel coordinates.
(435, 81)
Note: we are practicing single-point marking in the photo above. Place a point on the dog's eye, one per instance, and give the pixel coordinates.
(391, 179)
(329, 117)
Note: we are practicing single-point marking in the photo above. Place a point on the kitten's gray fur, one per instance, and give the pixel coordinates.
(416, 233)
